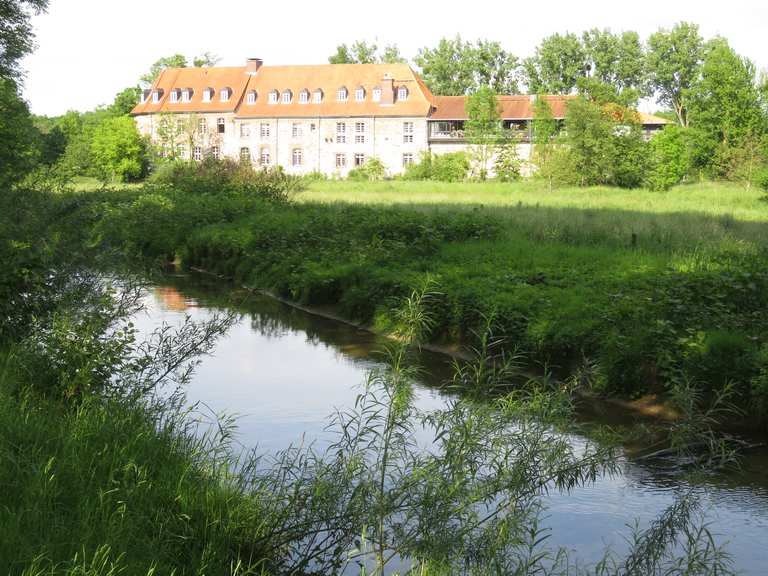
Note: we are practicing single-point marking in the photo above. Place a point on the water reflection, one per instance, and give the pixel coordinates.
(284, 371)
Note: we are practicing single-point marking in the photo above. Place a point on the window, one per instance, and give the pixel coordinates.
(359, 160)
(251, 97)
(264, 157)
(245, 154)
(226, 94)
(186, 95)
(303, 96)
(408, 132)
(407, 159)
(221, 126)
(208, 94)
(245, 130)
(174, 96)
(402, 93)
(341, 160)
(376, 94)
(181, 151)
(296, 130)
(215, 153)
(317, 97)
(202, 126)
(359, 132)
(287, 96)
(297, 157)
(342, 94)
(156, 96)
(179, 125)
(264, 130)
(197, 153)
(273, 97)
(144, 96)
(360, 94)
(341, 133)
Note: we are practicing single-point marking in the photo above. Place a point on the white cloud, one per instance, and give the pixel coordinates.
(91, 49)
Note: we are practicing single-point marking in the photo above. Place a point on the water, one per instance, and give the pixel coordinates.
(283, 371)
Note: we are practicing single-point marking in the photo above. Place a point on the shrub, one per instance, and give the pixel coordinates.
(451, 167)
(373, 169)
(421, 170)
(670, 158)
(507, 165)
(213, 176)
(760, 179)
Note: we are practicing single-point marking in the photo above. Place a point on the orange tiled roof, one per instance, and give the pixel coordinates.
(651, 120)
(512, 107)
(327, 77)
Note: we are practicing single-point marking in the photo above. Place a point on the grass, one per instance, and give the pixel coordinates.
(710, 198)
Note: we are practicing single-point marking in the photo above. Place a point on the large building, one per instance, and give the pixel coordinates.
(328, 118)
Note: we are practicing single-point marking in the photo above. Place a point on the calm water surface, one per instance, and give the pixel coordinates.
(283, 371)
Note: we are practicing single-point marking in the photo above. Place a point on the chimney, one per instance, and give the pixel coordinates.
(252, 66)
(387, 90)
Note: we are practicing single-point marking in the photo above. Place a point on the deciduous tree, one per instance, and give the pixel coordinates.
(483, 128)
(556, 66)
(16, 36)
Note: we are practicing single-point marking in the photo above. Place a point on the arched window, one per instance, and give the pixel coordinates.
(175, 93)
(186, 95)
(342, 94)
(317, 97)
(208, 94)
(360, 94)
(251, 99)
(274, 96)
(402, 93)
(376, 94)
(287, 96)
(304, 96)
(226, 94)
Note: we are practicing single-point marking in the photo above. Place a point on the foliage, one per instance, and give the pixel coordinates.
(761, 178)
(670, 160)
(206, 59)
(363, 53)
(16, 36)
(450, 167)
(482, 128)
(673, 60)
(175, 61)
(544, 130)
(508, 164)
(18, 148)
(456, 67)
(557, 64)
(125, 101)
(119, 152)
(372, 169)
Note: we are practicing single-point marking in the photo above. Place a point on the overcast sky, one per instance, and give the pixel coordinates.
(88, 50)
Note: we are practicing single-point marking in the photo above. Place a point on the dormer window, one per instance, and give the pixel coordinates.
(251, 99)
(317, 97)
(402, 93)
(273, 97)
(145, 96)
(208, 94)
(287, 96)
(303, 96)
(156, 96)
(342, 94)
(186, 95)
(226, 94)
(376, 94)
(175, 96)
(360, 94)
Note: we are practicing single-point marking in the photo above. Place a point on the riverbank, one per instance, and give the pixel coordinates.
(634, 299)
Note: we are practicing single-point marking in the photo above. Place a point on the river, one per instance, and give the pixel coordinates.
(283, 371)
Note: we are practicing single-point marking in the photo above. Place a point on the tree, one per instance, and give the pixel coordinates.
(544, 131)
(615, 59)
(18, 152)
(673, 62)
(670, 158)
(455, 67)
(119, 152)
(206, 59)
(125, 101)
(391, 55)
(483, 127)
(360, 53)
(16, 36)
(175, 61)
(556, 66)
(507, 164)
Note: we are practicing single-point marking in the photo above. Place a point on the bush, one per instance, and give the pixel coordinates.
(760, 179)
(670, 158)
(451, 167)
(213, 176)
(507, 165)
(373, 169)
(421, 170)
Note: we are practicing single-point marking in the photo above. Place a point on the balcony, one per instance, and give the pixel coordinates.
(453, 131)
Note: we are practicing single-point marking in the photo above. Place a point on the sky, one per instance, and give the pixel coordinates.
(89, 50)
